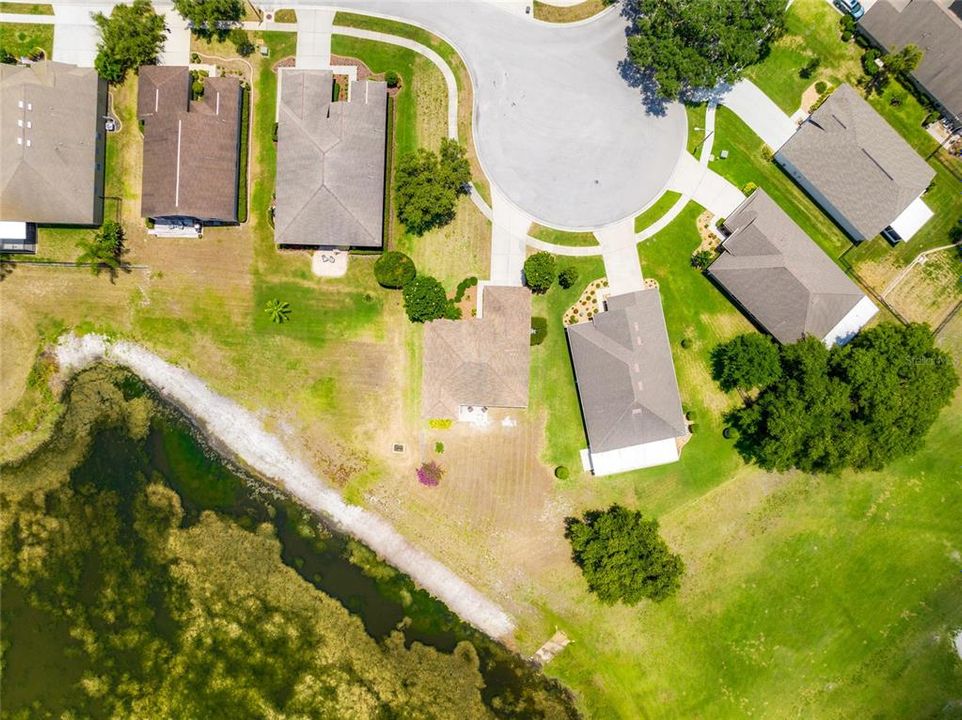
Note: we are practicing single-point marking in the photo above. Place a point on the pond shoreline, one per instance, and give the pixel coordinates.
(239, 435)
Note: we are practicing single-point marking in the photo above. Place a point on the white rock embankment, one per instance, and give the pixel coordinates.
(241, 433)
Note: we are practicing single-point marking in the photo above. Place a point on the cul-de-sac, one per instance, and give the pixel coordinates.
(456, 359)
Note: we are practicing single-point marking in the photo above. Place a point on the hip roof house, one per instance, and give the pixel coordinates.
(330, 162)
(52, 142)
(626, 384)
(937, 31)
(479, 362)
(191, 147)
(859, 169)
(783, 280)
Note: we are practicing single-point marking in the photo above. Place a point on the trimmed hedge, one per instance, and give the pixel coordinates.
(394, 270)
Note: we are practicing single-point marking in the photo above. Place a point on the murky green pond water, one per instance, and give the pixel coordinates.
(41, 666)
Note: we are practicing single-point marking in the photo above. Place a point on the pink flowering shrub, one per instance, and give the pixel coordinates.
(430, 474)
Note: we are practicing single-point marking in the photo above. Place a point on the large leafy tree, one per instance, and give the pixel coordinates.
(690, 44)
(425, 300)
(132, 36)
(210, 18)
(622, 556)
(858, 406)
(426, 186)
(746, 361)
(539, 272)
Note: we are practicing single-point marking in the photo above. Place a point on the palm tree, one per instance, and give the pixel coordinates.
(105, 250)
(279, 312)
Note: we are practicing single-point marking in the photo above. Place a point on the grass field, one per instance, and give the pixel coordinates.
(26, 8)
(805, 597)
(811, 30)
(562, 237)
(696, 126)
(21, 39)
(657, 210)
(569, 13)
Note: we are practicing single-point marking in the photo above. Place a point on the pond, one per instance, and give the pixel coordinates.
(385, 600)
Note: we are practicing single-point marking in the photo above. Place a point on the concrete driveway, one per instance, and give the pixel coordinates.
(75, 36)
(759, 112)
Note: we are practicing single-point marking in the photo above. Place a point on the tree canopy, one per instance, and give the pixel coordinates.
(745, 362)
(210, 18)
(427, 186)
(691, 44)
(425, 300)
(132, 36)
(394, 270)
(859, 406)
(539, 272)
(622, 556)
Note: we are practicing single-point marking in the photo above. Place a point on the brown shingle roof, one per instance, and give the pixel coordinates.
(330, 162)
(857, 162)
(51, 143)
(480, 361)
(191, 148)
(625, 374)
(779, 275)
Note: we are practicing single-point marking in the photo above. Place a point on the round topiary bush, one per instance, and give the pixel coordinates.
(692, 428)
(690, 415)
(749, 188)
(562, 473)
(730, 433)
(392, 79)
(685, 343)
(821, 86)
(394, 270)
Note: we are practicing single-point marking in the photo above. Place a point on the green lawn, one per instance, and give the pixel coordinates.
(568, 13)
(812, 30)
(552, 379)
(21, 39)
(659, 208)
(804, 597)
(562, 237)
(26, 8)
(747, 163)
(696, 126)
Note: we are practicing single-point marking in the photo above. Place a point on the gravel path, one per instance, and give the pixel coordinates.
(244, 436)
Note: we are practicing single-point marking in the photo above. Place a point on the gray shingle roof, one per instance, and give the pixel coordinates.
(191, 148)
(779, 275)
(481, 361)
(936, 31)
(330, 162)
(853, 158)
(51, 143)
(625, 374)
